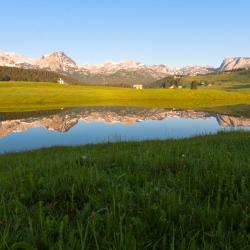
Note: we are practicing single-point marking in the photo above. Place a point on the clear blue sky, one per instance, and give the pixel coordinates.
(171, 32)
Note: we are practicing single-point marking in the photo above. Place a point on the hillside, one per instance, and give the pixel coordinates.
(33, 75)
(234, 80)
(121, 78)
(124, 73)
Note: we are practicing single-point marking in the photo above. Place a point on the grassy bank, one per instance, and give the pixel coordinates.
(184, 194)
(23, 96)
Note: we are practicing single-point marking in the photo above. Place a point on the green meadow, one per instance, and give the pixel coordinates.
(174, 194)
(235, 81)
(29, 96)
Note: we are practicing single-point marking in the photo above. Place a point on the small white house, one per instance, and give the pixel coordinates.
(137, 86)
(61, 81)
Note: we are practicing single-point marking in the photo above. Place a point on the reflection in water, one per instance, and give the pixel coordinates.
(98, 124)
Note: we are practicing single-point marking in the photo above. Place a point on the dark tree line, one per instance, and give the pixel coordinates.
(33, 75)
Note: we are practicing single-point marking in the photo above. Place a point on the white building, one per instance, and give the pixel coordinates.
(137, 86)
(60, 81)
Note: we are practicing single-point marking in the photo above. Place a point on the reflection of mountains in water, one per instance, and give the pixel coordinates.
(62, 121)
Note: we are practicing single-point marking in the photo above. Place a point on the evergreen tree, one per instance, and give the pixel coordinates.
(194, 85)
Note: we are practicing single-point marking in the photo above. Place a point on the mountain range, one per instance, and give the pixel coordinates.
(125, 72)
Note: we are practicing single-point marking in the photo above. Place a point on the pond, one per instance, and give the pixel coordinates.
(25, 131)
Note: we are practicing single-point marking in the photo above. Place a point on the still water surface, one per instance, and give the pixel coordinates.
(27, 131)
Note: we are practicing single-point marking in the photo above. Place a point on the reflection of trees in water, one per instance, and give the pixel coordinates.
(29, 114)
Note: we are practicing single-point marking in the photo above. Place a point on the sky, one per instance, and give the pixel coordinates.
(171, 32)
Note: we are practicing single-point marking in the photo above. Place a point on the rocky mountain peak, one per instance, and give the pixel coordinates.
(109, 72)
(57, 61)
(131, 63)
(12, 59)
(235, 63)
(55, 54)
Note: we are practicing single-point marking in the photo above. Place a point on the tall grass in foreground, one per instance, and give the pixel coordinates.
(183, 194)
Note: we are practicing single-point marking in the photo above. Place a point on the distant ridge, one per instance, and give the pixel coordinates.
(112, 73)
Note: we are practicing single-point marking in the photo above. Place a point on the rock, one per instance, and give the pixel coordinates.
(235, 63)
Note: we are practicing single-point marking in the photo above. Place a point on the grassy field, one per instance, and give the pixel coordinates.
(238, 81)
(23, 96)
(173, 194)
